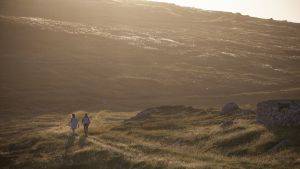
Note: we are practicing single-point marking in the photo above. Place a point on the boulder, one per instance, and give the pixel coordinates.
(230, 108)
(279, 113)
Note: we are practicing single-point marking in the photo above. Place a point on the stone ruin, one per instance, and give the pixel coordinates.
(279, 113)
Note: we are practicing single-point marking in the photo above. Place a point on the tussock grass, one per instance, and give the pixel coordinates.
(238, 139)
(163, 140)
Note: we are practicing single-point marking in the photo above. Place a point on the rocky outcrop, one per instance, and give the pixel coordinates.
(230, 108)
(279, 113)
(144, 114)
(166, 111)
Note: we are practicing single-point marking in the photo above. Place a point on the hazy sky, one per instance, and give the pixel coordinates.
(277, 9)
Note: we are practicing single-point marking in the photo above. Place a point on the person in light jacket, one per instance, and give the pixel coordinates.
(74, 123)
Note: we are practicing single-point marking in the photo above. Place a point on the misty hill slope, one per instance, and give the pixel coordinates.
(71, 55)
(169, 137)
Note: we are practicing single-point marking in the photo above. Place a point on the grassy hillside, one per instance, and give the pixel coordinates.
(170, 137)
(62, 56)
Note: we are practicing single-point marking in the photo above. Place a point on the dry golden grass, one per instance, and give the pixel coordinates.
(186, 139)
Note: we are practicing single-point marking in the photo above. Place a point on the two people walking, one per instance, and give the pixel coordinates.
(74, 124)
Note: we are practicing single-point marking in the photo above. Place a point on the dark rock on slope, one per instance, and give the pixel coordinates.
(279, 113)
(230, 108)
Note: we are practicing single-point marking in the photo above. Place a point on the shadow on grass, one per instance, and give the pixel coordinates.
(285, 137)
(70, 140)
(83, 141)
(289, 134)
(238, 140)
(95, 159)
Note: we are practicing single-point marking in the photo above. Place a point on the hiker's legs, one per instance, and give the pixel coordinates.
(86, 128)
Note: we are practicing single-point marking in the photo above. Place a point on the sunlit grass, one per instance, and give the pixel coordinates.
(164, 140)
